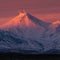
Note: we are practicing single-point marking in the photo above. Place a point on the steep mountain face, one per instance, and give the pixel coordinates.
(26, 25)
(28, 33)
(26, 19)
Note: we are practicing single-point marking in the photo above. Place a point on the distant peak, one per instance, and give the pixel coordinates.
(56, 22)
(22, 13)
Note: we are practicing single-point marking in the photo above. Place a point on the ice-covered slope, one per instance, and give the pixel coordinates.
(28, 33)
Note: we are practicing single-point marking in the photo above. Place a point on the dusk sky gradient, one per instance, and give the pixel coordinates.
(9, 8)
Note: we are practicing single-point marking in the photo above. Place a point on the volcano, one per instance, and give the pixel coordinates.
(24, 18)
(25, 33)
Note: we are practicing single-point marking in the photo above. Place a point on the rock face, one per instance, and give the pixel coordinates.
(28, 34)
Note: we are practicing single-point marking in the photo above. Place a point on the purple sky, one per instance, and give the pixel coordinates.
(12, 7)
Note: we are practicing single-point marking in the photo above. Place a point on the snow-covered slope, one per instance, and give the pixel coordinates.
(26, 25)
(27, 33)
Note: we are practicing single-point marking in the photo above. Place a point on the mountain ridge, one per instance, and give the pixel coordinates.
(27, 32)
(27, 16)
